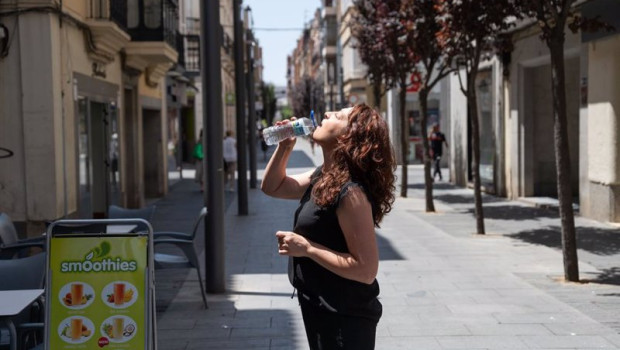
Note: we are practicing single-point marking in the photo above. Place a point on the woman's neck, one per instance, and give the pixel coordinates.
(327, 158)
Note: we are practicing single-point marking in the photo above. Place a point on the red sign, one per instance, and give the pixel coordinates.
(416, 82)
(103, 341)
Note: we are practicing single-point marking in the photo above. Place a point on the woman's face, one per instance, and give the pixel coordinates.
(332, 126)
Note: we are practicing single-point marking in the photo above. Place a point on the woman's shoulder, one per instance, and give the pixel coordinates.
(354, 190)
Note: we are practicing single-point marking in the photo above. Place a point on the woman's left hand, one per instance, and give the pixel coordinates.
(292, 244)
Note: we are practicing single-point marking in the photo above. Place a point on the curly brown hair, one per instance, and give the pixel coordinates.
(364, 155)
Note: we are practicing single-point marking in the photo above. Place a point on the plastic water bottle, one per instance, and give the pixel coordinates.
(299, 127)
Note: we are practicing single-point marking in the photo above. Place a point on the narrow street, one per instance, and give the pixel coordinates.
(441, 286)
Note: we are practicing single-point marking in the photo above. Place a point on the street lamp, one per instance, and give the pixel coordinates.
(211, 74)
(250, 43)
(242, 202)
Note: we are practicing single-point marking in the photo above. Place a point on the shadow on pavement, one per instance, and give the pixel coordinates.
(386, 251)
(223, 326)
(436, 186)
(516, 212)
(594, 240)
(465, 199)
(602, 242)
(299, 159)
(177, 212)
(608, 276)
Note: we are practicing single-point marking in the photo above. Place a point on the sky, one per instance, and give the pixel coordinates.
(278, 44)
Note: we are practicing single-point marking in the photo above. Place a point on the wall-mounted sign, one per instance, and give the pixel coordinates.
(230, 99)
(416, 82)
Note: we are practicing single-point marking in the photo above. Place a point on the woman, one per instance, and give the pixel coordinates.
(333, 245)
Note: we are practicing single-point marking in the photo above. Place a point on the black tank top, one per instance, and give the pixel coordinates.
(334, 293)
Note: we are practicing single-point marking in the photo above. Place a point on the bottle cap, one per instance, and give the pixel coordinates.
(312, 118)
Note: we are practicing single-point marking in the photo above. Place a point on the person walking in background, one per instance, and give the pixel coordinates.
(333, 247)
(198, 155)
(437, 139)
(230, 160)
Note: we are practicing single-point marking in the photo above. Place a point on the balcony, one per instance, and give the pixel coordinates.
(107, 26)
(188, 47)
(152, 20)
(330, 31)
(192, 26)
(153, 26)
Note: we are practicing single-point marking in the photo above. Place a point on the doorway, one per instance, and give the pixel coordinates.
(486, 120)
(539, 103)
(98, 158)
(152, 146)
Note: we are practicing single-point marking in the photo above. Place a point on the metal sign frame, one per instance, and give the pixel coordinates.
(76, 229)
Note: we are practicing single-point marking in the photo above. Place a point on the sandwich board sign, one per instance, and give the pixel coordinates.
(99, 288)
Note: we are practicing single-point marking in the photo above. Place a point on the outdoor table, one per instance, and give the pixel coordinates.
(12, 302)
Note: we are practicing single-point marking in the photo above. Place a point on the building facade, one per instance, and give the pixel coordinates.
(517, 121)
(83, 106)
(306, 64)
(355, 88)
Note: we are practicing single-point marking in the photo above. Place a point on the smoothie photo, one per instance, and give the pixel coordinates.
(76, 329)
(119, 293)
(77, 292)
(118, 327)
(76, 295)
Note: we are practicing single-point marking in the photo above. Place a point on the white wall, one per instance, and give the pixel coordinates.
(529, 52)
(454, 106)
(603, 130)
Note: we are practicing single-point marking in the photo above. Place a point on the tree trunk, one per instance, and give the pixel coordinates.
(404, 135)
(562, 160)
(428, 184)
(376, 93)
(472, 106)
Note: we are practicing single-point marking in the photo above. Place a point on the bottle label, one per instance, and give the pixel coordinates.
(298, 128)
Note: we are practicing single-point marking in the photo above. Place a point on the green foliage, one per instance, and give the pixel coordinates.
(269, 102)
(307, 95)
(287, 112)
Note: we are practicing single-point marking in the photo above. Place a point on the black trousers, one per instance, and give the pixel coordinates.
(437, 161)
(328, 330)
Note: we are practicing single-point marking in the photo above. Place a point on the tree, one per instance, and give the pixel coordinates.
(384, 34)
(395, 29)
(269, 102)
(372, 51)
(286, 112)
(428, 41)
(306, 96)
(473, 31)
(553, 16)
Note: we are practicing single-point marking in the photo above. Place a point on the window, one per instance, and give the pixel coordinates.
(152, 13)
(133, 13)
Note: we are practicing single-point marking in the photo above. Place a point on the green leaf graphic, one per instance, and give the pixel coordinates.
(105, 249)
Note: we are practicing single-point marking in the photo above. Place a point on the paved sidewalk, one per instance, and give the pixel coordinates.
(441, 286)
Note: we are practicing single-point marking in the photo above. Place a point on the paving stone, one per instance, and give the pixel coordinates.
(567, 342)
(442, 287)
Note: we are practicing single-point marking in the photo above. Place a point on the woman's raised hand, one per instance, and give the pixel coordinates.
(290, 142)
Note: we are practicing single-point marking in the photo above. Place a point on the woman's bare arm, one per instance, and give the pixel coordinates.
(276, 182)
(355, 217)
